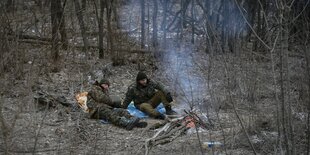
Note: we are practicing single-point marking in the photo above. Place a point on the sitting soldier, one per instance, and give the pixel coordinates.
(147, 95)
(101, 106)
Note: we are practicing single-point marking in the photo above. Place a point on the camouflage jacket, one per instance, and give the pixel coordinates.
(139, 94)
(98, 99)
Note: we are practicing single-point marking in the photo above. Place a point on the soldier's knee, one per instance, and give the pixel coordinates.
(148, 108)
(160, 95)
(145, 106)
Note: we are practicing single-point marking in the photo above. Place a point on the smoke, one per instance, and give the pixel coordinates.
(187, 82)
(179, 60)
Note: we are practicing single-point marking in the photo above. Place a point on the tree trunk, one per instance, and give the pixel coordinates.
(100, 24)
(5, 30)
(180, 33)
(258, 29)
(264, 26)
(62, 26)
(164, 26)
(84, 3)
(252, 9)
(110, 42)
(55, 29)
(79, 14)
(148, 35)
(142, 4)
(116, 17)
(39, 4)
(224, 35)
(9, 5)
(193, 22)
(231, 29)
(283, 50)
(184, 6)
(155, 10)
(110, 38)
(47, 3)
(306, 52)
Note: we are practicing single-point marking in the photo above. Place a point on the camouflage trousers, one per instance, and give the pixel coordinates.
(112, 115)
(150, 106)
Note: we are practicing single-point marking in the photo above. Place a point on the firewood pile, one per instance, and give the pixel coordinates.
(173, 128)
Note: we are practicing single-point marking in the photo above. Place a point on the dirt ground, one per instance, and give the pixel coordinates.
(33, 128)
(213, 86)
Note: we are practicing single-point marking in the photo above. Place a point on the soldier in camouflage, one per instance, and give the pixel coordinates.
(101, 106)
(147, 94)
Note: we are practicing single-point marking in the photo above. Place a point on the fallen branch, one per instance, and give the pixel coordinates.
(169, 132)
(30, 150)
(45, 41)
(169, 137)
(23, 36)
(147, 142)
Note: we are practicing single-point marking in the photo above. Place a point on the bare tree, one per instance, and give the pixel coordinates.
(115, 5)
(101, 15)
(62, 26)
(4, 130)
(164, 23)
(55, 9)
(79, 14)
(142, 4)
(58, 28)
(84, 3)
(110, 42)
(155, 11)
(308, 117)
(193, 21)
(9, 5)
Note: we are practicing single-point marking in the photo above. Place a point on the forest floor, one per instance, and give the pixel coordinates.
(64, 130)
(227, 88)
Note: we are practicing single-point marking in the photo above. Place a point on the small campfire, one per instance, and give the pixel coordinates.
(175, 127)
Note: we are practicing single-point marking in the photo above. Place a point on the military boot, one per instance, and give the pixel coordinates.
(169, 111)
(141, 124)
(161, 116)
(129, 123)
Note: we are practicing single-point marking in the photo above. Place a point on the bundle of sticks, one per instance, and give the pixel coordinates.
(174, 128)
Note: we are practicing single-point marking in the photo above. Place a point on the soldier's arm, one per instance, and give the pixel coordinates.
(128, 98)
(159, 86)
(90, 105)
(100, 97)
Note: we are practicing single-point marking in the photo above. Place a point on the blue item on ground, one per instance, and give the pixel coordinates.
(136, 112)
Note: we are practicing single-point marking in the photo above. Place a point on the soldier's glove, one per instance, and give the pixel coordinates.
(169, 97)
